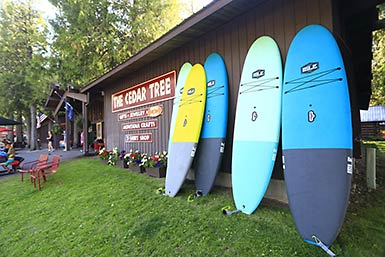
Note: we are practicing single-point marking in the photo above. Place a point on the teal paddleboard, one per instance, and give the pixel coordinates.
(257, 124)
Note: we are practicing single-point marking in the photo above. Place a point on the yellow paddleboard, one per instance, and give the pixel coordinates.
(191, 107)
(187, 129)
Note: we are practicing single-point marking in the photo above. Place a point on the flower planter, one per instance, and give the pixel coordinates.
(136, 168)
(119, 163)
(156, 172)
(125, 164)
(105, 162)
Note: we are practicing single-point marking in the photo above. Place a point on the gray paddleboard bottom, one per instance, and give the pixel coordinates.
(318, 186)
(179, 162)
(207, 163)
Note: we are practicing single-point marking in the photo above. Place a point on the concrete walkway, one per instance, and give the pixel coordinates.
(34, 155)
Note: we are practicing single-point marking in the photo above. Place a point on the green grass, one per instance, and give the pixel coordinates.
(89, 209)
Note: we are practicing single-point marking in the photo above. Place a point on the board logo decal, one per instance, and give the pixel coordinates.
(254, 116)
(211, 83)
(191, 91)
(310, 67)
(222, 148)
(258, 74)
(311, 116)
(193, 150)
(349, 167)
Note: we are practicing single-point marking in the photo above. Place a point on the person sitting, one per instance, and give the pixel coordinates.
(10, 153)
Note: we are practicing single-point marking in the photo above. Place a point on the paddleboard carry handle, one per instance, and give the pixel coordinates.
(192, 197)
(227, 212)
(160, 191)
(323, 246)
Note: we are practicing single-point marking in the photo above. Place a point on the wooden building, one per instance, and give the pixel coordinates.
(373, 122)
(228, 27)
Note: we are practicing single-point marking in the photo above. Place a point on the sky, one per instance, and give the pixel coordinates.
(49, 10)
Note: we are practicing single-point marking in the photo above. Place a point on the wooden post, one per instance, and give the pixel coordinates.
(67, 133)
(371, 167)
(85, 128)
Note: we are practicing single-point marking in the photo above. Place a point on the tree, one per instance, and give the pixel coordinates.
(23, 66)
(93, 36)
(378, 64)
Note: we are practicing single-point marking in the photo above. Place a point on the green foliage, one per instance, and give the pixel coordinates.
(23, 65)
(93, 36)
(117, 213)
(379, 145)
(57, 129)
(378, 64)
(113, 157)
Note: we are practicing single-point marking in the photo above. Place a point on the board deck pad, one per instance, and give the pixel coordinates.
(316, 134)
(183, 72)
(257, 124)
(187, 129)
(211, 148)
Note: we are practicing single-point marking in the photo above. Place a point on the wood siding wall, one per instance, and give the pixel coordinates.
(280, 19)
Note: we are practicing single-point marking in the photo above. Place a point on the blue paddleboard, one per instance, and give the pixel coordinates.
(208, 159)
(316, 135)
(257, 124)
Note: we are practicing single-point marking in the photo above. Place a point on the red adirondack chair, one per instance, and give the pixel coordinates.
(44, 170)
(29, 167)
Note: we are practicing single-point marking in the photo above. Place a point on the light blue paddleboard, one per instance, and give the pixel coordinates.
(208, 159)
(257, 124)
(316, 134)
(183, 72)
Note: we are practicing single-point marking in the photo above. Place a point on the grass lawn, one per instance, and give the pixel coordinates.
(90, 209)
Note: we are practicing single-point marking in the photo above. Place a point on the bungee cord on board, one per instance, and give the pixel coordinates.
(251, 86)
(314, 78)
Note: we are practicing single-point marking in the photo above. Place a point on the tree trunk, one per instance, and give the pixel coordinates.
(28, 124)
(10, 133)
(33, 141)
(19, 129)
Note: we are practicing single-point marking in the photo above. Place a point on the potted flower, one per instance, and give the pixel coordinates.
(113, 157)
(135, 160)
(104, 155)
(156, 164)
(124, 160)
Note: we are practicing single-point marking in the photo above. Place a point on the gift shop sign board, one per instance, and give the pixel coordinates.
(153, 111)
(146, 124)
(154, 90)
(140, 137)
